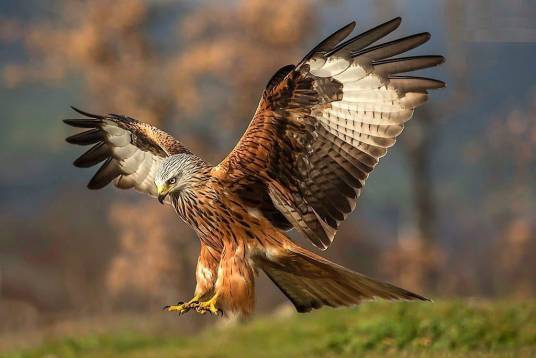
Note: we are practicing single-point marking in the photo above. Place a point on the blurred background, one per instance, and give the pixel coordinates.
(449, 212)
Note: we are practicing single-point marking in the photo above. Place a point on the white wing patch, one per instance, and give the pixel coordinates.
(373, 107)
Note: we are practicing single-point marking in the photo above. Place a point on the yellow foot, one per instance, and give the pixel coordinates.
(209, 307)
(182, 307)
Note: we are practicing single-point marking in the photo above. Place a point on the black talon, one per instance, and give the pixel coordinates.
(180, 303)
(165, 308)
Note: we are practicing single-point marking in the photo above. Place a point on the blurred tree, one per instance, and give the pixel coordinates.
(512, 206)
(106, 46)
(152, 258)
(124, 67)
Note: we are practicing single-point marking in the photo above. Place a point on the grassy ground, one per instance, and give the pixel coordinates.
(444, 329)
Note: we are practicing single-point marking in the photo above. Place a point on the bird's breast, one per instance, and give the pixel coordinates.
(217, 218)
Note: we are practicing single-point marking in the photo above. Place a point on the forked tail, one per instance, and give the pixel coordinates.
(311, 281)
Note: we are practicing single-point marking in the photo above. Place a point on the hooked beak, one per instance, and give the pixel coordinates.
(162, 193)
(162, 197)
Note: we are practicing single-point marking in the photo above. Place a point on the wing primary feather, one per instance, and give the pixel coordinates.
(106, 173)
(81, 122)
(93, 156)
(406, 64)
(369, 37)
(393, 48)
(415, 84)
(330, 42)
(85, 138)
(87, 114)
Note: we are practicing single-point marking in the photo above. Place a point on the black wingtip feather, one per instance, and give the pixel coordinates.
(393, 48)
(330, 42)
(394, 23)
(93, 156)
(368, 37)
(106, 173)
(86, 138)
(81, 122)
(87, 114)
(427, 83)
(436, 59)
(433, 59)
(398, 65)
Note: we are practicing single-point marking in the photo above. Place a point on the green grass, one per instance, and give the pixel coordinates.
(445, 329)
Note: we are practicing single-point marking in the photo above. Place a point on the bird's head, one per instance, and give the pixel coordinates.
(175, 174)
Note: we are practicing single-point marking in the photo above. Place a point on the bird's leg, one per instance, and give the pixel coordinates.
(206, 273)
(182, 307)
(209, 306)
(234, 289)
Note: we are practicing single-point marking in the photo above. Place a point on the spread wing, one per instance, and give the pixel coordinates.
(322, 126)
(131, 150)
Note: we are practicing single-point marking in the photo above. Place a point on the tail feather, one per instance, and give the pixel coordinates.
(310, 281)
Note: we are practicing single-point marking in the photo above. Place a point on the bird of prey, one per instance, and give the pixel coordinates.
(319, 130)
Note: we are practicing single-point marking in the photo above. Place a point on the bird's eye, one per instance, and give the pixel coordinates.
(172, 181)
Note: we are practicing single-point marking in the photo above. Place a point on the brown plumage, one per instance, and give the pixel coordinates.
(319, 130)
